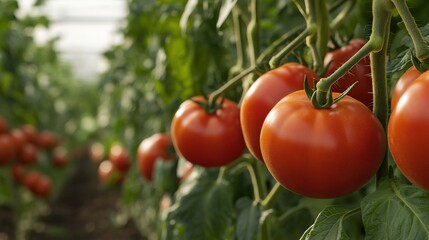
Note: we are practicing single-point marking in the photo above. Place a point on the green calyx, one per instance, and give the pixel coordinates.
(210, 105)
(323, 99)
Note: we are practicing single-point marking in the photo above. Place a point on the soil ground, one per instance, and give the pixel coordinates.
(83, 211)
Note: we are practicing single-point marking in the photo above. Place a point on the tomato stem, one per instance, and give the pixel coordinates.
(271, 197)
(420, 45)
(228, 84)
(253, 32)
(276, 59)
(255, 184)
(342, 14)
(317, 15)
(237, 27)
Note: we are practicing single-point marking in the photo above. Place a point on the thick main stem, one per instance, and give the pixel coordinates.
(253, 32)
(421, 46)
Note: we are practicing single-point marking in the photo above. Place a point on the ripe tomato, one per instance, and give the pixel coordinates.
(151, 149)
(18, 138)
(39, 184)
(28, 154)
(402, 84)
(208, 140)
(30, 133)
(408, 132)
(108, 174)
(7, 149)
(119, 157)
(322, 153)
(360, 73)
(18, 172)
(267, 90)
(59, 157)
(3, 125)
(47, 140)
(96, 152)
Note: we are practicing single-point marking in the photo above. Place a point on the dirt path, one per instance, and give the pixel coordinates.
(83, 210)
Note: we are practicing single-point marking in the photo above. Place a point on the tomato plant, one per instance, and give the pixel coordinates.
(208, 139)
(403, 83)
(30, 133)
(150, 150)
(360, 73)
(322, 153)
(267, 90)
(59, 157)
(408, 131)
(47, 140)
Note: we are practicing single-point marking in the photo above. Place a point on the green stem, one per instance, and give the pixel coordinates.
(253, 32)
(379, 85)
(421, 46)
(272, 196)
(255, 183)
(239, 42)
(342, 15)
(276, 59)
(289, 212)
(228, 84)
(280, 41)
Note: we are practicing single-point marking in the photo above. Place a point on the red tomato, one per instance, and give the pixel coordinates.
(7, 149)
(30, 133)
(119, 157)
(96, 152)
(18, 172)
(322, 153)
(18, 138)
(59, 157)
(208, 140)
(403, 83)
(30, 180)
(47, 140)
(109, 174)
(360, 73)
(150, 150)
(43, 186)
(408, 132)
(28, 154)
(3, 125)
(267, 90)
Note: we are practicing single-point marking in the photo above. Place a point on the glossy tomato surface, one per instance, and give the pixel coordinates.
(403, 83)
(322, 153)
(150, 150)
(360, 73)
(267, 90)
(208, 140)
(408, 132)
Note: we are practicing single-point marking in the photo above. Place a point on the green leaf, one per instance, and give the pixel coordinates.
(248, 218)
(396, 211)
(204, 208)
(225, 10)
(190, 6)
(329, 224)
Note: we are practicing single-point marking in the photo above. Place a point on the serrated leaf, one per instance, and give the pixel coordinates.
(402, 61)
(225, 10)
(396, 211)
(329, 224)
(204, 209)
(249, 215)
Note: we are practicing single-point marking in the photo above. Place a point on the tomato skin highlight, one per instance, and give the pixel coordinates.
(360, 73)
(149, 151)
(267, 90)
(208, 140)
(402, 84)
(322, 153)
(408, 132)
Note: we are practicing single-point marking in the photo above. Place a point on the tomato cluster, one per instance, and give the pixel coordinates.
(111, 171)
(21, 149)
